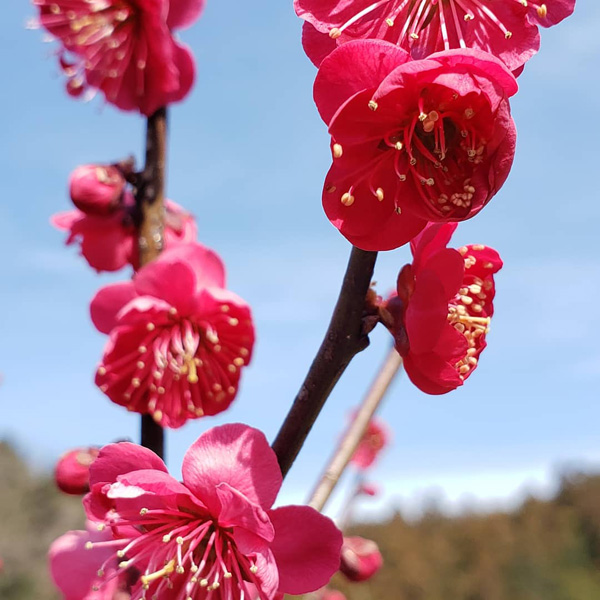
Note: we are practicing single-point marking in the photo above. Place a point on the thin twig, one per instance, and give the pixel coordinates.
(150, 204)
(344, 339)
(343, 453)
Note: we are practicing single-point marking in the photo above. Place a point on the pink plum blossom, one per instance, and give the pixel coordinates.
(71, 472)
(215, 535)
(124, 48)
(506, 28)
(373, 441)
(108, 241)
(178, 339)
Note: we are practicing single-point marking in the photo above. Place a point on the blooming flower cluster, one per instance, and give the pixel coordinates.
(103, 222)
(415, 95)
(213, 535)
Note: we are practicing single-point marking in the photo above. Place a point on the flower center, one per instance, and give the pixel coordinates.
(409, 19)
(467, 313)
(178, 355)
(176, 552)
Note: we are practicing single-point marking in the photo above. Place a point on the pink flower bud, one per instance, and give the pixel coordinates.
(72, 470)
(368, 489)
(96, 189)
(361, 559)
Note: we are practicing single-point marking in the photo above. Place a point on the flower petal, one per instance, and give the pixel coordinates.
(74, 568)
(238, 511)
(183, 13)
(237, 455)
(352, 68)
(307, 548)
(108, 301)
(121, 458)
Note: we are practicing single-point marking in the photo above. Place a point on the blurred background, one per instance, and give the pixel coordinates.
(487, 493)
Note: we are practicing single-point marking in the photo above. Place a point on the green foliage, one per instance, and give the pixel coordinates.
(32, 514)
(543, 551)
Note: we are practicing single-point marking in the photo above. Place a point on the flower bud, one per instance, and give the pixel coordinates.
(72, 470)
(368, 489)
(361, 559)
(96, 189)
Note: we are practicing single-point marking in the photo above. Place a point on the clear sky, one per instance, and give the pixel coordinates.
(247, 156)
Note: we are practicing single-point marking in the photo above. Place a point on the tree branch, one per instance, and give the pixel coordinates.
(150, 217)
(344, 339)
(346, 448)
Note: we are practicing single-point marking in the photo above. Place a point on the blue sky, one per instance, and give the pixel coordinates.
(247, 156)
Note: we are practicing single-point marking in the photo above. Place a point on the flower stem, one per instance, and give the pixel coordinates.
(347, 446)
(150, 203)
(344, 339)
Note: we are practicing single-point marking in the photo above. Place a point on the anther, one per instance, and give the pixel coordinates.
(88, 545)
(508, 35)
(143, 511)
(253, 569)
(335, 33)
(373, 105)
(101, 371)
(379, 194)
(337, 151)
(389, 22)
(347, 199)
(542, 11)
(150, 327)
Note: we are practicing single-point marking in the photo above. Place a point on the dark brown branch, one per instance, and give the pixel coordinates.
(344, 339)
(150, 210)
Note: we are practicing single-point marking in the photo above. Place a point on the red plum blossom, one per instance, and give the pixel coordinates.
(124, 48)
(441, 314)
(412, 141)
(109, 242)
(178, 339)
(506, 28)
(215, 535)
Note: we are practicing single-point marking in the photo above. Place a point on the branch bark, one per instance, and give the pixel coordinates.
(150, 204)
(343, 453)
(344, 339)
